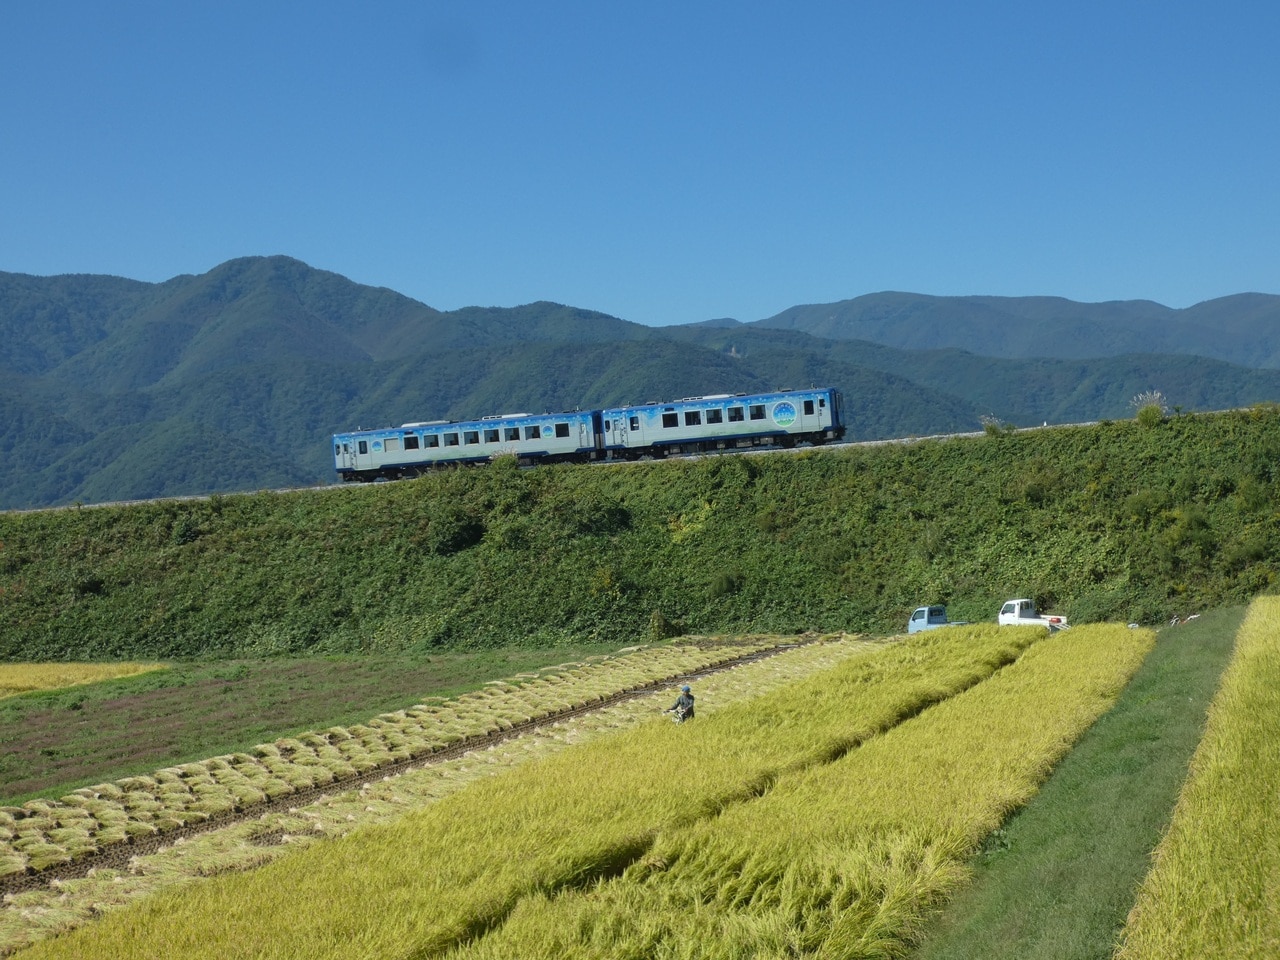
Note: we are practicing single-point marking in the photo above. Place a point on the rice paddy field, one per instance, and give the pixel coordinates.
(842, 798)
(18, 678)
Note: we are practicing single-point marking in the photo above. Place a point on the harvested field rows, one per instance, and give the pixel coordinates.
(41, 834)
(439, 876)
(34, 915)
(1214, 890)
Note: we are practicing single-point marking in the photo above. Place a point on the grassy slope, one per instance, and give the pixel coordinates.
(1114, 522)
(1058, 880)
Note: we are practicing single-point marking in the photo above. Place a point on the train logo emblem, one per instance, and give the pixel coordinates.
(784, 413)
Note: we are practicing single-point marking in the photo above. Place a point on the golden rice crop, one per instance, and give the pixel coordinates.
(841, 860)
(1214, 886)
(18, 678)
(440, 874)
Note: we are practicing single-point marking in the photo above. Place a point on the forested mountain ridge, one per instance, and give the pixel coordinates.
(1242, 329)
(234, 379)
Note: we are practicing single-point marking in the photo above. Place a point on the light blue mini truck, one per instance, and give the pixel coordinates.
(929, 618)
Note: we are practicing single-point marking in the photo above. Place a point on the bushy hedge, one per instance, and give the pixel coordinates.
(1115, 521)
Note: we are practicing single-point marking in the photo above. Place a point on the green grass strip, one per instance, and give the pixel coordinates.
(843, 860)
(1056, 882)
(1214, 889)
(448, 872)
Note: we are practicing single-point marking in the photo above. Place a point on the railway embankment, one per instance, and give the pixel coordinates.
(1124, 521)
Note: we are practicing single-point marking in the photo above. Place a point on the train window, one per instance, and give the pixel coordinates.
(391, 444)
(562, 429)
(822, 401)
(411, 441)
(533, 433)
(715, 416)
(364, 446)
(512, 433)
(450, 439)
(635, 423)
(430, 440)
(693, 418)
(671, 419)
(757, 411)
(608, 425)
(735, 414)
(337, 450)
(491, 436)
(808, 408)
(471, 436)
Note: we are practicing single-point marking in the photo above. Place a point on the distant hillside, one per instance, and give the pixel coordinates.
(235, 379)
(1243, 329)
(1019, 392)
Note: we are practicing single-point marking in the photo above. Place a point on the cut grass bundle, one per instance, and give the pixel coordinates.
(1212, 891)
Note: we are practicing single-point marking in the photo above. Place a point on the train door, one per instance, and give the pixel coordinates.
(344, 453)
(811, 413)
(615, 429)
(631, 432)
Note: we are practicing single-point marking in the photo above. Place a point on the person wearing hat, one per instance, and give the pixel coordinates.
(683, 707)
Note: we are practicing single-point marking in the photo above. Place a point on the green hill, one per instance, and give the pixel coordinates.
(235, 379)
(1119, 521)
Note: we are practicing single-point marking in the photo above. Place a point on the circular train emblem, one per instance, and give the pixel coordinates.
(784, 413)
(377, 446)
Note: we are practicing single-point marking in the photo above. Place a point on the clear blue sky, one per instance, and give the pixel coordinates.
(662, 162)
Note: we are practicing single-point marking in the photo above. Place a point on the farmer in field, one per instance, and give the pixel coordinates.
(683, 707)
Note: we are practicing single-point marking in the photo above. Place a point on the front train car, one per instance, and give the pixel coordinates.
(723, 422)
(414, 448)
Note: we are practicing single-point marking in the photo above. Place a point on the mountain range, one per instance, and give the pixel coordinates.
(234, 379)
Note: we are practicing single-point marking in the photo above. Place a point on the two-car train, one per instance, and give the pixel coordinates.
(692, 425)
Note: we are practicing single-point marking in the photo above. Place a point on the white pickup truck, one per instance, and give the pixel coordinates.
(1023, 613)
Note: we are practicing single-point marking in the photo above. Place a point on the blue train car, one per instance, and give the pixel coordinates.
(413, 448)
(722, 422)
